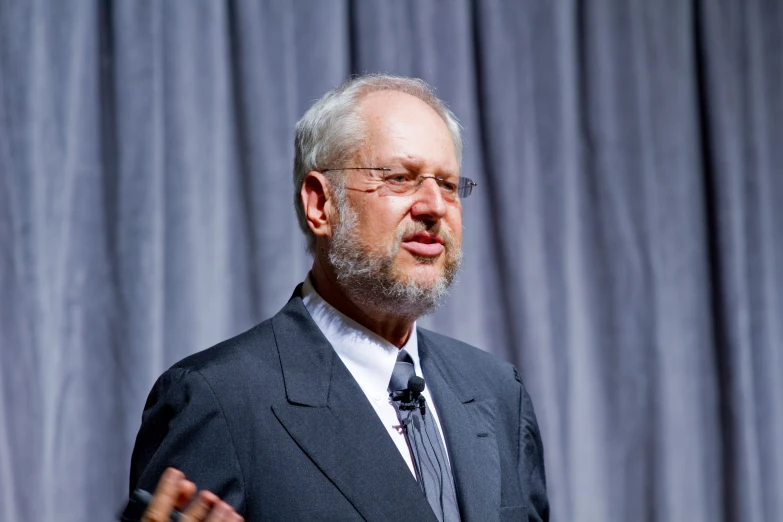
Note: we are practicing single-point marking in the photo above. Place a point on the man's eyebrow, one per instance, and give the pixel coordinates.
(416, 164)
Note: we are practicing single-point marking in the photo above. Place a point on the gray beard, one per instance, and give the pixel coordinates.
(369, 280)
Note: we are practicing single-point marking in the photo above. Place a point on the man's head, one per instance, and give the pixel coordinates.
(391, 249)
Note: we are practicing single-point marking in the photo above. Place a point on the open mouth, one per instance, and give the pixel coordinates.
(424, 238)
(423, 245)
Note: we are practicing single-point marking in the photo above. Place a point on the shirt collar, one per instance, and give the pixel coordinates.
(369, 357)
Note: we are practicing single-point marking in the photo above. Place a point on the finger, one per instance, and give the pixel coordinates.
(233, 516)
(165, 497)
(220, 513)
(186, 490)
(200, 508)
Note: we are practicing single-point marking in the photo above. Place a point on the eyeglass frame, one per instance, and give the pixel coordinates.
(469, 183)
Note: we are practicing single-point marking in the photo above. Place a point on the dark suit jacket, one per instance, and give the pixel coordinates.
(274, 423)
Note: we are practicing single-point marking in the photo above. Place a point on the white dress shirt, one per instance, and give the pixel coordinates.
(370, 359)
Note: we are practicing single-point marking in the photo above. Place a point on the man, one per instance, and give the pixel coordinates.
(292, 420)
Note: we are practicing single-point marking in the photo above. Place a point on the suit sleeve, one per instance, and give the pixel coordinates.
(531, 456)
(183, 426)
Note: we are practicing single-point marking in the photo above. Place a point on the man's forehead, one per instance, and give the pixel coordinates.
(389, 103)
(404, 127)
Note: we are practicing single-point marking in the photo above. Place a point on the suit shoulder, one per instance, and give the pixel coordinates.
(246, 365)
(252, 343)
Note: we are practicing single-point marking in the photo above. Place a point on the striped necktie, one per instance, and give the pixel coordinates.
(426, 444)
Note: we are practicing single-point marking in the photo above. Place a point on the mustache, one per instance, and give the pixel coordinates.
(420, 227)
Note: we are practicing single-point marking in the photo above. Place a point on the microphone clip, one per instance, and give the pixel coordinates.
(408, 400)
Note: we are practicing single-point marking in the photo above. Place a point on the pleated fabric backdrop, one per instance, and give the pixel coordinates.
(623, 248)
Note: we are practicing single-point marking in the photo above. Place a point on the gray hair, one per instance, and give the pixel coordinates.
(330, 132)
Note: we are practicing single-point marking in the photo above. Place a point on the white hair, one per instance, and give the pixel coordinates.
(330, 132)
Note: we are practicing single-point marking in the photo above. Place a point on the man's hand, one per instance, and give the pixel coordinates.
(174, 491)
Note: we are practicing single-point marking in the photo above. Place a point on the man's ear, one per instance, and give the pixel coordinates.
(318, 203)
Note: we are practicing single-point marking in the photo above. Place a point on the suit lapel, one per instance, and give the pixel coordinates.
(469, 429)
(331, 420)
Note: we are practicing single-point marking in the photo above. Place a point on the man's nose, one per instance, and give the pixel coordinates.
(429, 200)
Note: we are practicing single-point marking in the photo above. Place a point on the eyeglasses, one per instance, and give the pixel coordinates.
(405, 183)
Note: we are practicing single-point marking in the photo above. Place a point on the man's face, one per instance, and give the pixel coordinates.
(399, 251)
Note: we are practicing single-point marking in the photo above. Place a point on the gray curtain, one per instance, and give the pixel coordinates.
(624, 246)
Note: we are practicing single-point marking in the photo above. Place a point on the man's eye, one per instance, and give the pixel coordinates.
(448, 186)
(397, 179)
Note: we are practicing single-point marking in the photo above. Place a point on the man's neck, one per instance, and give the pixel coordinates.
(394, 329)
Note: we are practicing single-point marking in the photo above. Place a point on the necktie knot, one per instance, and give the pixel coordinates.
(403, 371)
